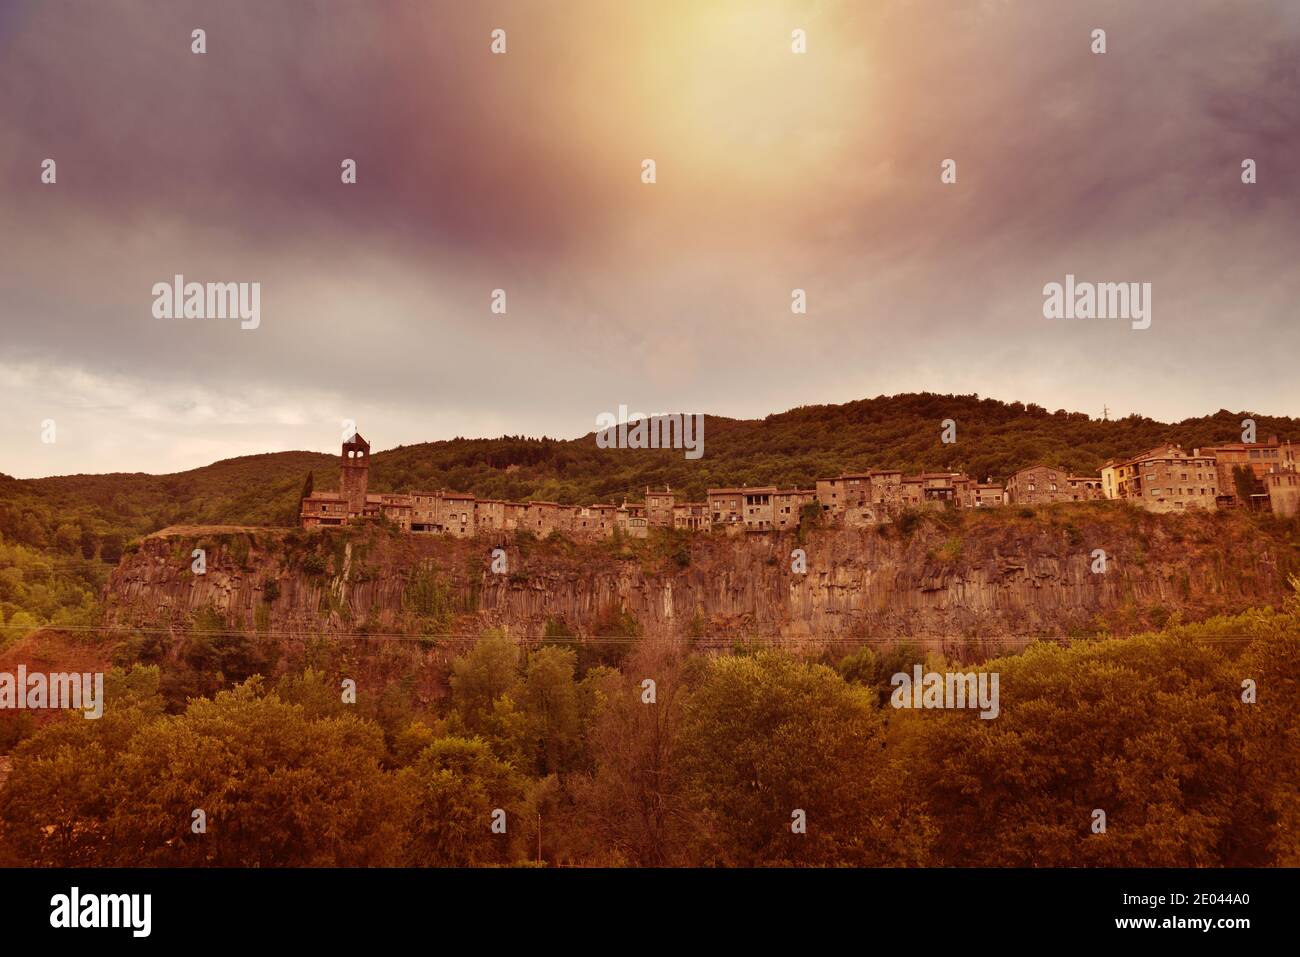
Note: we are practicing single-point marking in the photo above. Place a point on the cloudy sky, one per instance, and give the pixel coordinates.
(522, 171)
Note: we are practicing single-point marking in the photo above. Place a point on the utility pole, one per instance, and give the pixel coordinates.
(1105, 413)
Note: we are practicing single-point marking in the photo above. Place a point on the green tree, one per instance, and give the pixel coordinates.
(67, 539)
(55, 805)
(1137, 728)
(634, 808)
(453, 791)
(766, 736)
(479, 678)
(276, 787)
(1265, 823)
(550, 699)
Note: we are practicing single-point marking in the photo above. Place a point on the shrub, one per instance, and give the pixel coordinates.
(429, 599)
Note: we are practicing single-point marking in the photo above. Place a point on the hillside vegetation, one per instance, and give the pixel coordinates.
(98, 513)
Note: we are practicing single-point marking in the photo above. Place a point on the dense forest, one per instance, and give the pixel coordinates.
(709, 766)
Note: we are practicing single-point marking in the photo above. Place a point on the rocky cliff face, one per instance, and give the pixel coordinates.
(946, 580)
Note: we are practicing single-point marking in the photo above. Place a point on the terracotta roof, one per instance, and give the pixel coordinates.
(1242, 447)
(1159, 451)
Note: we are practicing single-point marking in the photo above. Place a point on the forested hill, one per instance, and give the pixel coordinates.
(89, 513)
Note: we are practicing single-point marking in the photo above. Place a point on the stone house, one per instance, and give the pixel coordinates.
(659, 506)
(787, 506)
(489, 515)
(1260, 458)
(456, 514)
(985, 495)
(1167, 479)
(726, 505)
(1283, 488)
(1044, 484)
(757, 503)
(631, 521)
(692, 516)
(323, 508)
(542, 518)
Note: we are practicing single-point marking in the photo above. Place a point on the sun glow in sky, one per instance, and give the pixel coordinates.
(775, 171)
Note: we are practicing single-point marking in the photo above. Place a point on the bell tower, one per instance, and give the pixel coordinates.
(354, 473)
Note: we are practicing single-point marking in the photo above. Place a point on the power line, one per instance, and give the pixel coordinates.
(452, 637)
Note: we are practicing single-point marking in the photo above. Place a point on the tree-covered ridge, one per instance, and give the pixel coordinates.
(792, 448)
(708, 767)
(797, 447)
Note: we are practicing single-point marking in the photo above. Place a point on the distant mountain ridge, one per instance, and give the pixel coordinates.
(790, 448)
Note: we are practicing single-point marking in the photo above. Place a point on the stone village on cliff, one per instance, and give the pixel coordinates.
(1162, 479)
